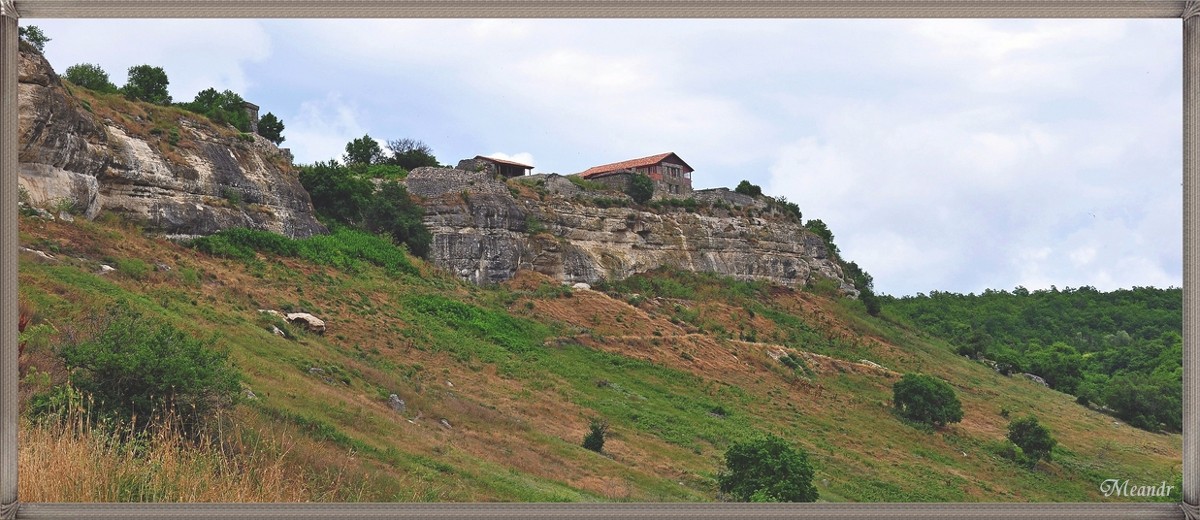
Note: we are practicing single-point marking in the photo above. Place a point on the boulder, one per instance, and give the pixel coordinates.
(312, 323)
(396, 403)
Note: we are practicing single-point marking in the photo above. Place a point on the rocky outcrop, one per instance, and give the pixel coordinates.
(209, 179)
(484, 233)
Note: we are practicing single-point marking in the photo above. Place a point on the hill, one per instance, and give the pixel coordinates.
(500, 382)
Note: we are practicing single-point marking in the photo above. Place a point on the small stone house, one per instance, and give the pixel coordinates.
(671, 175)
(496, 167)
(252, 114)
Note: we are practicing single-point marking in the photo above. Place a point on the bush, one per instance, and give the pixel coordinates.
(410, 154)
(363, 150)
(595, 438)
(1032, 438)
(90, 76)
(391, 211)
(767, 470)
(136, 368)
(745, 188)
(226, 108)
(641, 188)
(926, 399)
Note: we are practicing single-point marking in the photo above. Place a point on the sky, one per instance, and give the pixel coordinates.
(948, 155)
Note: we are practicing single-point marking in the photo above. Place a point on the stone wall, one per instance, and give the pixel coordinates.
(429, 182)
(728, 196)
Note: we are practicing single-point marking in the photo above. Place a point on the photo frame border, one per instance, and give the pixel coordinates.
(10, 13)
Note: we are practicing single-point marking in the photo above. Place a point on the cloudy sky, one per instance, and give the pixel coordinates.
(950, 155)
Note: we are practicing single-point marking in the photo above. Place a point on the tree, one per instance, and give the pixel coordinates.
(866, 287)
(595, 438)
(148, 84)
(90, 76)
(819, 228)
(926, 399)
(337, 193)
(1035, 440)
(34, 36)
(767, 469)
(226, 107)
(745, 188)
(271, 127)
(410, 154)
(1059, 364)
(641, 188)
(390, 210)
(364, 151)
(135, 368)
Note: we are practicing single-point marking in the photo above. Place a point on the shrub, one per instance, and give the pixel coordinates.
(926, 399)
(90, 76)
(391, 211)
(641, 188)
(363, 150)
(136, 368)
(1032, 438)
(745, 188)
(410, 154)
(595, 438)
(767, 470)
(226, 108)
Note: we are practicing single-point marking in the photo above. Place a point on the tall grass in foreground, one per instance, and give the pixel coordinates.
(71, 461)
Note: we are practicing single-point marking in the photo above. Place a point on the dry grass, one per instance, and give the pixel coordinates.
(69, 461)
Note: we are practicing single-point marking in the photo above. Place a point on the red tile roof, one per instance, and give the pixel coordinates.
(630, 164)
(502, 161)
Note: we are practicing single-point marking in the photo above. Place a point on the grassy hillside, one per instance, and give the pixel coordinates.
(501, 383)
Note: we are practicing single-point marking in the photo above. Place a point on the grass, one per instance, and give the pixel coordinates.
(520, 370)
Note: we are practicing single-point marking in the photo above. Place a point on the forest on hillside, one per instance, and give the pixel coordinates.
(1120, 351)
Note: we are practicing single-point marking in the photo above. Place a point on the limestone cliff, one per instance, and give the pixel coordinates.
(484, 230)
(174, 171)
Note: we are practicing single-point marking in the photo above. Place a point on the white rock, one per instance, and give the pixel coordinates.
(582, 286)
(105, 269)
(312, 323)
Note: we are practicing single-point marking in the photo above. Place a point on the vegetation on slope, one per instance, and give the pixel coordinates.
(1120, 350)
(500, 384)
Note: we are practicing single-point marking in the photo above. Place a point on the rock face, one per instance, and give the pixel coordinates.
(484, 234)
(211, 179)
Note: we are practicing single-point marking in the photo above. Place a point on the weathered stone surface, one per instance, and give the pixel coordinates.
(68, 156)
(308, 321)
(482, 233)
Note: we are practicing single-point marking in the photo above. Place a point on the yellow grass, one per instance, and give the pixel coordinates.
(70, 462)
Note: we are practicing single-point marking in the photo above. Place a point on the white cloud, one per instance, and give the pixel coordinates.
(321, 129)
(196, 54)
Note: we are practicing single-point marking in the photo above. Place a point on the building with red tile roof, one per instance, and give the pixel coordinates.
(671, 175)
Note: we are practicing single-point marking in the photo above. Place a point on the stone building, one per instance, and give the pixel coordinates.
(497, 167)
(252, 113)
(671, 175)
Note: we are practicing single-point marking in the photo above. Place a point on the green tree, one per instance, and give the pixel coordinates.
(866, 287)
(227, 108)
(138, 368)
(410, 154)
(594, 440)
(926, 399)
(363, 151)
(34, 36)
(767, 469)
(271, 127)
(745, 188)
(1059, 364)
(90, 76)
(819, 228)
(148, 84)
(390, 210)
(641, 188)
(337, 193)
(1035, 440)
